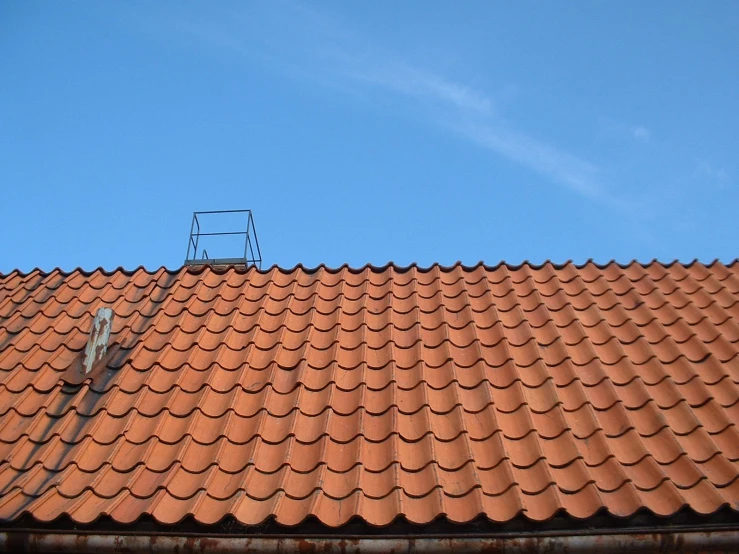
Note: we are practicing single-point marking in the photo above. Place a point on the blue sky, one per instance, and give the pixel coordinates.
(369, 132)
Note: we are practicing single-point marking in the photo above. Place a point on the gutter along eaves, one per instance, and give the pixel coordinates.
(649, 541)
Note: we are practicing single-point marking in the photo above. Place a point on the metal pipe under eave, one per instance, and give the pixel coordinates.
(693, 541)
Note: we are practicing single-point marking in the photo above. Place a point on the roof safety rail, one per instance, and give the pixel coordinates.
(218, 240)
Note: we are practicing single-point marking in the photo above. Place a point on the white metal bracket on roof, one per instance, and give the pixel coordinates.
(97, 344)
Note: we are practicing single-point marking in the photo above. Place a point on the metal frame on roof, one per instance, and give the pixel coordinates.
(252, 252)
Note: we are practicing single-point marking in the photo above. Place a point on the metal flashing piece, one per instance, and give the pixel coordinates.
(97, 344)
(252, 254)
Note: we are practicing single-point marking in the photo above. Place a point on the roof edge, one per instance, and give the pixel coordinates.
(651, 541)
(220, 268)
(561, 522)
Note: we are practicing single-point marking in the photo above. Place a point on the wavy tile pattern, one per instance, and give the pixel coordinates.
(372, 392)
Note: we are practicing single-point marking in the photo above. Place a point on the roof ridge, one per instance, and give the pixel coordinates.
(220, 269)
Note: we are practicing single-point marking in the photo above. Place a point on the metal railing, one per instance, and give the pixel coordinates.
(252, 252)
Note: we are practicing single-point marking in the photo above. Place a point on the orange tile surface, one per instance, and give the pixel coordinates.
(375, 392)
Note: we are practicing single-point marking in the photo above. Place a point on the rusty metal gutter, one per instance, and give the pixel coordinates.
(665, 541)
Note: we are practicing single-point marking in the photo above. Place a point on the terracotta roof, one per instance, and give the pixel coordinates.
(373, 392)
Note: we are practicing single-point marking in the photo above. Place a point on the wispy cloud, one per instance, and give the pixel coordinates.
(422, 85)
(568, 170)
(641, 133)
(622, 131)
(337, 53)
(714, 175)
(472, 114)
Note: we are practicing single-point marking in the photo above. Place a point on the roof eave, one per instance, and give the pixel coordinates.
(655, 540)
